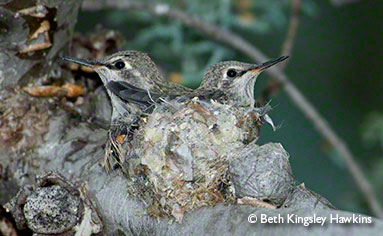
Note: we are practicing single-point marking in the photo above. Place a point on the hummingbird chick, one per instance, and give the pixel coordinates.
(235, 80)
(127, 68)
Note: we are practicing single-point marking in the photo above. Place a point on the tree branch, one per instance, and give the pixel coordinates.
(292, 30)
(233, 40)
(273, 86)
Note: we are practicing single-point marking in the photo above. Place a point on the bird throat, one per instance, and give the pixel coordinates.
(241, 93)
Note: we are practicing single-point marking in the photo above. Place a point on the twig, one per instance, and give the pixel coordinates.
(273, 85)
(292, 30)
(237, 42)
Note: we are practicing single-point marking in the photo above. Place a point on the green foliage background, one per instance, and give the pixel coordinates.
(336, 63)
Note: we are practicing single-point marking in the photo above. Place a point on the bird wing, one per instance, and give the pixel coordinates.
(208, 94)
(131, 93)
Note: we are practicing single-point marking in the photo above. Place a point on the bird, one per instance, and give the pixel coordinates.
(127, 68)
(235, 80)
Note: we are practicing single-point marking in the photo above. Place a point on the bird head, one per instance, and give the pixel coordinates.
(236, 78)
(133, 67)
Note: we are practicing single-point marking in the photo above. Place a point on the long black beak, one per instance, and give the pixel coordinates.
(264, 66)
(83, 62)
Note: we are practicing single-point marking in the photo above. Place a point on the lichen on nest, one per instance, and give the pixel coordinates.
(183, 154)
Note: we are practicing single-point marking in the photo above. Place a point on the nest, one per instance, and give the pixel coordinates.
(183, 155)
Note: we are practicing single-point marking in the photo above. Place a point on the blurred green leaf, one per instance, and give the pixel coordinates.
(172, 42)
(372, 130)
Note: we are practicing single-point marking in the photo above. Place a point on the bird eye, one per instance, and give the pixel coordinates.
(119, 65)
(231, 73)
